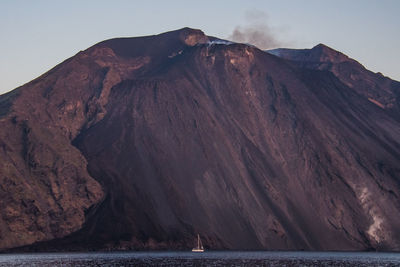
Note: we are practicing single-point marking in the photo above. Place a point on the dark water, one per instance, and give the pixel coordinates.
(220, 258)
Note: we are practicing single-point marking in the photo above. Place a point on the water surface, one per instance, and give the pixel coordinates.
(210, 258)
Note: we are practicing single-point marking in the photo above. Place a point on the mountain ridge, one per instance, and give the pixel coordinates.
(167, 136)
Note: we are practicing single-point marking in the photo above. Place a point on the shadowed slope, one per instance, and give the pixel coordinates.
(378, 89)
(189, 136)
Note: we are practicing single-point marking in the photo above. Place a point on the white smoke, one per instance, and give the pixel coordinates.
(257, 32)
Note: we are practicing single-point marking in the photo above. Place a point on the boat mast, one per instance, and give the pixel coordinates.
(198, 241)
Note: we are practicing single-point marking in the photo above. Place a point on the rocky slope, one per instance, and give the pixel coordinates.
(378, 89)
(141, 143)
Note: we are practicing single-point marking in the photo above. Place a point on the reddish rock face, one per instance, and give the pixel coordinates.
(141, 143)
(375, 87)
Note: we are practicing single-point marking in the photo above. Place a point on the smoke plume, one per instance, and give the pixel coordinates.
(256, 31)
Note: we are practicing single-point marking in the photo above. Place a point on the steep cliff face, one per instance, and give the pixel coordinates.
(187, 134)
(44, 184)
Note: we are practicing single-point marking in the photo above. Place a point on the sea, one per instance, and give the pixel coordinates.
(208, 258)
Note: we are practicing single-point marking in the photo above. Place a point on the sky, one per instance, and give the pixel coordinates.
(37, 35)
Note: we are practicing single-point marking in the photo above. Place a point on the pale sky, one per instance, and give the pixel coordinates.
(37, 35)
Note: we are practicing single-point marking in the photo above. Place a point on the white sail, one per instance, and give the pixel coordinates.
(199, 247)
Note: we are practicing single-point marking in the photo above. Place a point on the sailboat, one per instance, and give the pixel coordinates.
(199, 247)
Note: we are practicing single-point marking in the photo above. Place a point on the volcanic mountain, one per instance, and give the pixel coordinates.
(143, 143)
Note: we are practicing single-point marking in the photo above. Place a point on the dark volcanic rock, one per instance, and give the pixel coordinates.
(188, 135)
(378, 89)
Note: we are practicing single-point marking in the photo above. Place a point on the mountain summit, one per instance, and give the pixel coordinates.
(378, 89)
(145, 142)
(319, 53)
